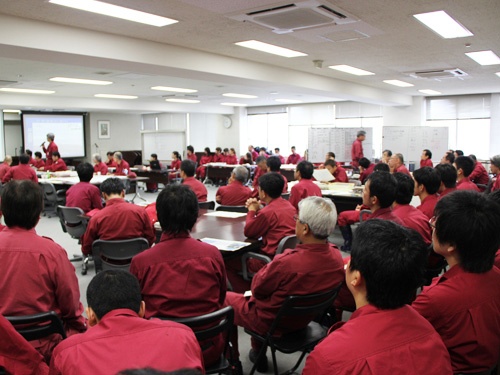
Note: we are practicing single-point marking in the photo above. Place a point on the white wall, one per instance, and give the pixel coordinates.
(207, 130)
(495, 125)
(405, 116)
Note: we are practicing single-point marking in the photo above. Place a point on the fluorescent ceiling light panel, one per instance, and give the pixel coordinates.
(11, 111)
(441, 23)
(397, 82)
(430, 92)
(484, 57)
(291, 101)
(234, 104)
(174, 100)
(242, 96)
(79, 80)
(270, 48)
(173, 89)
(26, 91)
(113, 96)
(116, 11)
(351, 70)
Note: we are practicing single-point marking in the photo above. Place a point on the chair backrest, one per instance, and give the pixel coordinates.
(71, 222)
(117, 254)
(232, 208)
(288, 242)
(210, 205)
(49, 193)
(285, 196)
(37, 326)
(361, 213)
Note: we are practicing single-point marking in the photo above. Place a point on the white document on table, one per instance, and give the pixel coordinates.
(225, 245)
(228, 214)
(323, 175)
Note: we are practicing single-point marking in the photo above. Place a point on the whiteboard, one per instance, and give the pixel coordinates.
(162, 144)
(337, 140)
(411, 141)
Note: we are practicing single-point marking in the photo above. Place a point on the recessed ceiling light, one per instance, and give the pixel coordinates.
(397, 82)
(113, 96)
(234, 104)
(26, 91)
(484, 57)
(291, 101)
(116, 11)
(173, 89)
(430, 92)
(11, 111)
(498, 74)
(79, 80)
(351, 70)
(174, 100)
(270, 48)
(441, 23)
(243, 96)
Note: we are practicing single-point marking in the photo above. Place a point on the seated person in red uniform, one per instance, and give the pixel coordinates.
(119, 220)
(263, 152)
(495, 169)
(119, 337)
(99, 166)
(39, 163)
(305, 187)
(247, 159)
(35, 273)
(384, 335)
(479, 174)
(425, 159)
(21, 172)
(231, 158)
(495, 196)
(448, 158)
(427, 184)
(314, 266)
(293, 158)
(17, 356)
(386, 156)
(175, 166)
(463, 305)
(337, 171)
(58, 164)
(464, 166)
(154, 163)
(190, 154)
(30, 154)
(397, 164)
(5, 166)
(365, 168)
(448, 175)
(205, 159)
(187, 174)
(274, 165)
(254, 153)
(235, 193)
(122, 167)
(84, 195)
(277, 153)
(458, 153)
(110, 162)
(218, 156)
(181, 276)
(261, 169)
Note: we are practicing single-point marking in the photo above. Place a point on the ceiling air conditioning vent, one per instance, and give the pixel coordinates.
(271, 9)
(439, 74)
(328, 9)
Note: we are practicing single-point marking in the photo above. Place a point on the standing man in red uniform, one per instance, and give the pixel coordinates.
(464, 166)
(181, 276)
(479, 174)
(119, 337)
(84, 195)
(187, 174)
(122, 167)
(357, 148)
(427, 184)
(21, 172)
(119, 220)
(35, 272)
(5, 166)
(58, 164)
(384, 335)
(293, 158)
(397, 164)
(235, 193)
(51, 148)
(99, 166)
(305, 187)
(463, 305)
(425, 159)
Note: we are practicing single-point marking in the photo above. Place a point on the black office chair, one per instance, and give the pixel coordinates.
(361, 213)
(110, 255)
(38, 326)
(219, 322)
(303, 340)
(242, 209)
(52, 199)
(288, 242)
(251, 255)
(210, 205)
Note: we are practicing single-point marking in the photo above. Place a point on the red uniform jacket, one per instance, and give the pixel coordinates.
(479, 175)
(182, 277)
(122, 169)
(464, 308)
(272, 223)
(20, 172)
(426, 163)
(258, 172)
(356, 152)
(193, 157)
(496, 185)
(307, 269)
(205, 160)
(427, 205)
(17, 356)
(466, 184)
(4, 168)
(380, 342)
(368, 171)
(242, 160)
(39, 164)
(84, 195)
(414, 219)
(385, 214)
(293, 159)
(231, 159)
(56, 166)
(176, 164)
(255, 155)
(282, 158)
(121, 340)
(199, 189)
(119, 220)
(234, 194)
(497, 259)
(303, 189)
(402, 168)
(32, 161)
(218, 158)
(101, 167)
(446, 191)
(49, 151)
(110, 163)
(340, 174)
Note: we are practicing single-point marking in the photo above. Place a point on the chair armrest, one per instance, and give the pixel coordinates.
(251, 255)
(361, 214)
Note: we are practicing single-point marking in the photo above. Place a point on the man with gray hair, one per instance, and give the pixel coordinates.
(357, 148)
(235, 193)
(122, 167)
(51, 148)
(99, 166)
(314, 266)
(397, 164)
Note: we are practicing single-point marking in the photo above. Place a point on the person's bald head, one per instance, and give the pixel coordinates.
(8, 159)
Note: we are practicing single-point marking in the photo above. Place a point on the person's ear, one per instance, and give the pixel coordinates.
(142, 309)
(122, 194)
(105, 196)
(356, 279)
(91, 316)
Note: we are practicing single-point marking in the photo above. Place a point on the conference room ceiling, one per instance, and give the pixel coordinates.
(391, 44)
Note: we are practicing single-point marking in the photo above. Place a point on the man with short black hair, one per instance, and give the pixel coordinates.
(120, 338)
(337, 171)
(479, 174)
(427, 184)
(260, 170)
(30, 154)
(39, 163)
(281, 157)
(305, 187)
(21, 172)
(235, 193)
(119, 220)
(293, 158)
(99, 166)
(463, 305)
(111, 161)
(384, 335)
(366, 168)
(357, 148)
(448, 158)
(273, 164)
(458, 153)
(379, 194)
(397, 164)
(58, 164)
(448, 175)
(191, 155)
(84, 195)
(386, 156)
(464, 166)
(425, 159)
(188, 169)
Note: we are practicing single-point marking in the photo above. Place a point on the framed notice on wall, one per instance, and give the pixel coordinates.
(104, 129)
